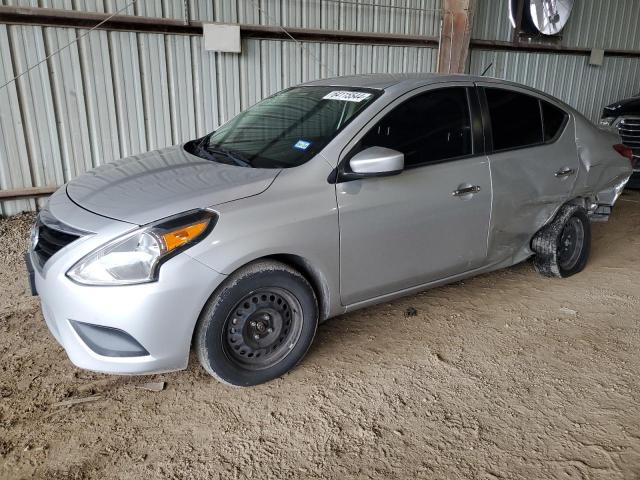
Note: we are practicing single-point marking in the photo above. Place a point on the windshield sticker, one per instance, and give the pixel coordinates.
(302, 145)
(347, 96)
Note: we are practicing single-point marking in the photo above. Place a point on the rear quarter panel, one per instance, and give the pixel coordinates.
(603, 171)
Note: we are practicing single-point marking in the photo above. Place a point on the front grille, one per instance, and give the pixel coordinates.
(51, 241)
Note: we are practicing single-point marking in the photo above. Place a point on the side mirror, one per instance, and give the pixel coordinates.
(377, 162)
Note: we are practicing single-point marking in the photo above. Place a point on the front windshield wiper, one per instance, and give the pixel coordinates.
(213, 153)
(235, 157)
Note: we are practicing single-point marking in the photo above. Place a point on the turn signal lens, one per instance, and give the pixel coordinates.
(179, 237)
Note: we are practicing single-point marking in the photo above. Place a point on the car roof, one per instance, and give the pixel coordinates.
(382, 81)
(404, 82)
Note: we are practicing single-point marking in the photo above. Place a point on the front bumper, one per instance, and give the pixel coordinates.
(160, 316)
(98, 325)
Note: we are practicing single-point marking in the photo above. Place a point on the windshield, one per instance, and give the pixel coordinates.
(286, 129)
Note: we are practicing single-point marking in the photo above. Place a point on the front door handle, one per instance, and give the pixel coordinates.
(466, 191)
(565, 172)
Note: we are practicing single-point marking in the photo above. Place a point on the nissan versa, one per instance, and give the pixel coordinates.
(319, 200)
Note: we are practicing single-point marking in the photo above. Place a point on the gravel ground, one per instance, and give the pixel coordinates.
(505, 376)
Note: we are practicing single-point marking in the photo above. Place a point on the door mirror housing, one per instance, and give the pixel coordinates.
(377, 162)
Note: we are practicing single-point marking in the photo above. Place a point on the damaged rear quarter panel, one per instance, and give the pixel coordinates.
(604, 172)
(527, 193)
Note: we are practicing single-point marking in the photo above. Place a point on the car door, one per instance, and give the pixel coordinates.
(534, 165)
(431, 221)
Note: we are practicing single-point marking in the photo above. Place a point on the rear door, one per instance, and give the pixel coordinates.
(406, 230)
(534, 165)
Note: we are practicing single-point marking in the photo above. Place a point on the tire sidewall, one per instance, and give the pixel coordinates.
(581, 215)
(546, 243)
(210, 335)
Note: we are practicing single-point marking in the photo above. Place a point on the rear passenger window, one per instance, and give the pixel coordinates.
(553, 119)
(429, 127)
(515, 119)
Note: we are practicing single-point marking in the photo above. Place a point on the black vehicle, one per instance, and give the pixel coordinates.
(624, 116)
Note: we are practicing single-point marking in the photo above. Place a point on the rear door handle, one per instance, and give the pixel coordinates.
(466, 191)
(565, 172)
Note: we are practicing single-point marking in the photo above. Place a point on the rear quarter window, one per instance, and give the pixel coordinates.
(516, 119)
(553, 119)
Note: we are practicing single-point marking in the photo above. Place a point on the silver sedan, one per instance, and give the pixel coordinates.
(323, 198)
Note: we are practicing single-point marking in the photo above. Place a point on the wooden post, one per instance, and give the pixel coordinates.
(457, 21)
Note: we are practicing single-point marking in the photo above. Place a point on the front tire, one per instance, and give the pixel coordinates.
(257, 325)
(562, 247)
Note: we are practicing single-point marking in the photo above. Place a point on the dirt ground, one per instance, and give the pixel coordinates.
(505, 376)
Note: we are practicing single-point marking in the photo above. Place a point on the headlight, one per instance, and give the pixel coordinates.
(136, 257)
(607, 121)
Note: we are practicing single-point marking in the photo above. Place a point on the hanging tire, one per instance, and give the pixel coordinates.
(257, 325)
(562, 247)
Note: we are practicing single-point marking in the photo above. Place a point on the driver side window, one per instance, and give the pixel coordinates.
(427, 128)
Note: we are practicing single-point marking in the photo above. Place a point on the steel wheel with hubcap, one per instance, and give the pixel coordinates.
(257, 325)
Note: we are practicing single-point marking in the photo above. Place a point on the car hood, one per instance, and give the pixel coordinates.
(154, 185)
(628, 106)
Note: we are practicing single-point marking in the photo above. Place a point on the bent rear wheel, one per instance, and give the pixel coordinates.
(562, 247)
(257, 325)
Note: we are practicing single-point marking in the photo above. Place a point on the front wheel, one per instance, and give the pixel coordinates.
(562, 247)
(258, 325)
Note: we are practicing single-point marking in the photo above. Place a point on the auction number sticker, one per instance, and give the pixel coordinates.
(346, 96)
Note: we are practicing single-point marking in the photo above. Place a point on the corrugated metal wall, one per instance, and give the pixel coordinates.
(567, 77)
(608, 24)
(115, 94)
(412, 17)
(611, 24)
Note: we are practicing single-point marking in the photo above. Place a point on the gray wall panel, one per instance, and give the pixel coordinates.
(415, 17)
(69, 100)
(568, 77)
(126, 73)
(608, 24)
(39, 115)
(14, 160)
(115, 94)
(155, 84)
(182, 110)
(95, 61)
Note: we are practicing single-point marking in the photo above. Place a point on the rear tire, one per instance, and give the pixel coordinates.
(257, 325)
(562, 247)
